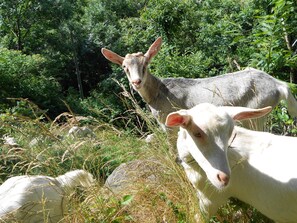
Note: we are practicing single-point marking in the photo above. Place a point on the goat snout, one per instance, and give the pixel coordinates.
(136, 82)
(223, 178)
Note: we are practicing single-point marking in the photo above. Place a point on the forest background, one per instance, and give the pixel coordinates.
(50, 49)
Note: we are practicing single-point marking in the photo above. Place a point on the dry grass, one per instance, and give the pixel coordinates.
(169, 197)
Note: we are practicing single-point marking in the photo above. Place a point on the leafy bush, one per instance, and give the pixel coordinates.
(169, 63)
(23, 76)
(273, 40)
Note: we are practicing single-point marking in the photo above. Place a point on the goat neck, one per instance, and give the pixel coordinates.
(150, 90)
(243, 142)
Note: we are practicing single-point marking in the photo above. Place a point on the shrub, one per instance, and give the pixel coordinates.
(24, 76)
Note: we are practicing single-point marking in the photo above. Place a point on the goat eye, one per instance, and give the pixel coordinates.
(198, 134)
(126, 69)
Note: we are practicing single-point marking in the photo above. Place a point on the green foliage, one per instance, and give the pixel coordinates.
(104, 17)
(239, 212)
(173, 20)
(26, 25)
(273, 40)
(170, 64)
(24, 76)
(114, 213)
(201, 39)
(113, 108)
(281, 123)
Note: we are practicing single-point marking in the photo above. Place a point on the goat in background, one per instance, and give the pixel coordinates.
(248, 88)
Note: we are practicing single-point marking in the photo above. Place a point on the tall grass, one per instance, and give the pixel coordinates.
(44, 148)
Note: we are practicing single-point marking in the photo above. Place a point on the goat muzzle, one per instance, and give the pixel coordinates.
(136, 83)
(223, 178)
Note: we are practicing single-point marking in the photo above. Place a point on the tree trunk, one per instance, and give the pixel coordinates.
(78, 76)
(76, 64)
(293, 76)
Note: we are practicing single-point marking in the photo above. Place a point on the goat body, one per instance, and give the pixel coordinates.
(39, 198)
(249, 88)
(256, 167)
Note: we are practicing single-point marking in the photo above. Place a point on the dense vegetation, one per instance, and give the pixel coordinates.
(52, 73)
(50, 50)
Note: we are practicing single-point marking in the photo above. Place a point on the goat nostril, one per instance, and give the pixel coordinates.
(223, 178)
(136, 82)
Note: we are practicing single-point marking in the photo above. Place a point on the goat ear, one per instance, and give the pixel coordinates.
(111, 56)
(242, 113)
(176, 119)
(154, 49)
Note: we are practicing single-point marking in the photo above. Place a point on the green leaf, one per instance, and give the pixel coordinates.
(126, 200)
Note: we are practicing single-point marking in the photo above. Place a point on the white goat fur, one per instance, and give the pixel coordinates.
(80, 132)
(39, 198)
(10, 141)
(256, 167)
(248, 88)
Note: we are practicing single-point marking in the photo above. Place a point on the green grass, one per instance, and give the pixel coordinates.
(55, 153)
(173, 199)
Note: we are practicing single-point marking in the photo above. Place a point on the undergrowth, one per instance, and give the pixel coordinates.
(45, 148)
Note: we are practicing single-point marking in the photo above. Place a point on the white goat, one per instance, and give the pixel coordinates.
(249, 88)
(80, 132)
(256, 167)
(39, 198)
(10, 141)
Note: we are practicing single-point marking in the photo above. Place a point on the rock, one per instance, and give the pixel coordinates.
(128, 176)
